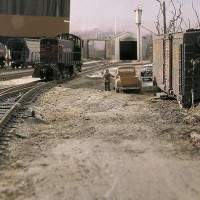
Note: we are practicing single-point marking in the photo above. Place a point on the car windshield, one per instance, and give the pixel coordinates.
(122, 70)
(148, 68)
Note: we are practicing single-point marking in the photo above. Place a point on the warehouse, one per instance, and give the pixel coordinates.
(122, 47)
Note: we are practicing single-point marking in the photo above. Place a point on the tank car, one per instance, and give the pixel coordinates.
(3, 52)
(176, 70)
(60, 57)
(23, 51)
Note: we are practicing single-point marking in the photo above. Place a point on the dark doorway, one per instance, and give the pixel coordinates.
(128, 50)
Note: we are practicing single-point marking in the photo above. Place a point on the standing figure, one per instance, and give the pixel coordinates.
(107, 78)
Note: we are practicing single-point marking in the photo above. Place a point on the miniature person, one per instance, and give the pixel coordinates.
(107, 78)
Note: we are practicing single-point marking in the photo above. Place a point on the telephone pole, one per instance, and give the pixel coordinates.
(164, 18)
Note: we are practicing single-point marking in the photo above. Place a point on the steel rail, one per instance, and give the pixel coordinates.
(20, 96)
(9, 76)
(23, 92)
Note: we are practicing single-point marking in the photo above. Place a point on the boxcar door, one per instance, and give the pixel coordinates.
(167, 64)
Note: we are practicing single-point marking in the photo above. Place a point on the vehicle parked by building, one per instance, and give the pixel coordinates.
(176, 70)
(147, 72)
(126, 79)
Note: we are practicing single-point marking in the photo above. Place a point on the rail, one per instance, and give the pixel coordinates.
(13, 99)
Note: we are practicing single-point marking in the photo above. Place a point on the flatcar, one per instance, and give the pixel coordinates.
(176, 70)
(23, 51)
(60, 57)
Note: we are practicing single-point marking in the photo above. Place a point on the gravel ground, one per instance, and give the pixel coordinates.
(89, 144)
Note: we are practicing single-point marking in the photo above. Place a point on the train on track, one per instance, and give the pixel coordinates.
(176, 70)
(23, 52)
(51, 58)
(3, 55)
(60, 57)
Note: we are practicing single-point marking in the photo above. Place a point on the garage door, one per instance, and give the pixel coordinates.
(128, 50)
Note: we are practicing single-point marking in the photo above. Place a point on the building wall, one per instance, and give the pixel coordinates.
(144, 48)
(110, 49)
(122, 37)
(34, 18)
(58, 8)
(32, 26)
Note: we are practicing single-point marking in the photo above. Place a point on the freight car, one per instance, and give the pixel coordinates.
(3, 52)
(60, 57)
(23, 51)
(176, 70)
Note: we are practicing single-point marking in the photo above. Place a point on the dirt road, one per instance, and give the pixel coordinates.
(88, 144)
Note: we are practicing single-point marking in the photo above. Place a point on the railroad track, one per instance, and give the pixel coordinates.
(13, 98)
(9, 75)
(14, 75)
(14, 102)
(29, 72)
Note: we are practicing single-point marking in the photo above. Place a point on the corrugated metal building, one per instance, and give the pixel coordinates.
(122, 47)
(34, 18)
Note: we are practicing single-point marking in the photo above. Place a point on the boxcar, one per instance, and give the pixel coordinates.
(176, 71)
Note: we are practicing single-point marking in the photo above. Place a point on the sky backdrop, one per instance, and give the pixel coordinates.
(87, 15)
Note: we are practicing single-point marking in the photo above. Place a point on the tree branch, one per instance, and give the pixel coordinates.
(196, 13)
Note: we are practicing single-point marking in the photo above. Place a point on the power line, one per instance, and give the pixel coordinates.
(148, 30)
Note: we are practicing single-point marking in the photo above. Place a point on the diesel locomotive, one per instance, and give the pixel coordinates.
(176, 65)
(60, 57)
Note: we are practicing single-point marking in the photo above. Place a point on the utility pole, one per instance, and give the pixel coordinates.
(115, 26)
(164, 18)
(138, 12)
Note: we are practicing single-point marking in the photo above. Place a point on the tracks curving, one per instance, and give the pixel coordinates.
(14, 75)
(14, 101)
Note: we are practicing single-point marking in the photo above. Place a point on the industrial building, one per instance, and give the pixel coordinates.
(124, 47)
(34, 18)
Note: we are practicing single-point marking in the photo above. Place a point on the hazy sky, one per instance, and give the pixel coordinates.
(101, 14)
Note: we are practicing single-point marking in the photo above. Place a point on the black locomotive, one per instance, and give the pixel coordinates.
(176, 70)
(59, 57)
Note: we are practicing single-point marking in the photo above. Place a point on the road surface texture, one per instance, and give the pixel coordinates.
(89, 144)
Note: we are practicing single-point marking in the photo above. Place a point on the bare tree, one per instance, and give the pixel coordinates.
(157, 23)
(176, 21)
(196, 14)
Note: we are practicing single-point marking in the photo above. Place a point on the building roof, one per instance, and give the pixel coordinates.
(125, 34)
